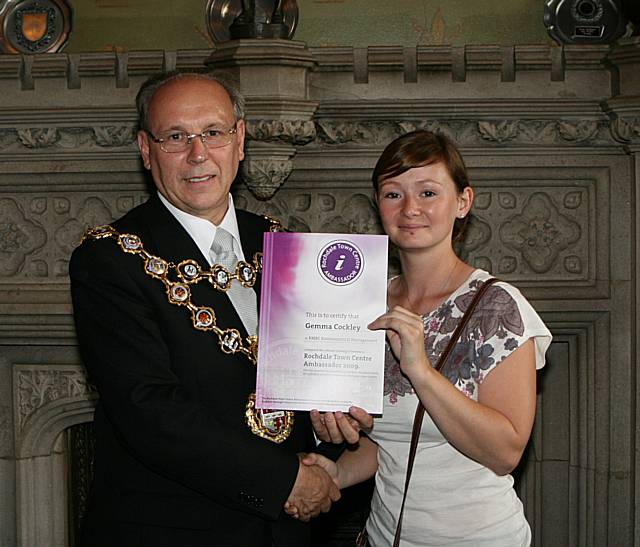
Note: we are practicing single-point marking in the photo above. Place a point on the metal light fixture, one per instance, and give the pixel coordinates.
(34, 26)
(584, 21)
(236, 19)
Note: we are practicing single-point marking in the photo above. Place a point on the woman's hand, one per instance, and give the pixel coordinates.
(338, 427)
(405, 333)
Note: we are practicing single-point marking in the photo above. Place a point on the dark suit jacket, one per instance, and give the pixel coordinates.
(173, 452)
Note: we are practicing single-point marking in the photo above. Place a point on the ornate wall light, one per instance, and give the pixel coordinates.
(585, 21)
(236, 19)
(34, 26)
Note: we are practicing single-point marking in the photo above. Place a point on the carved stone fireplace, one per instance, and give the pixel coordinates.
(551, 137)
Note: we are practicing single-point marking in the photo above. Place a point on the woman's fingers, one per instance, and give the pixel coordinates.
(397, 319)
(362, 418)
(338, 427)
(319, 426)
(405, 332)
(348, 427)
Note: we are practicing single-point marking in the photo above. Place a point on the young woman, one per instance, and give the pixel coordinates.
(480, 408)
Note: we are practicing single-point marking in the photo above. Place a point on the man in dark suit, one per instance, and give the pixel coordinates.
(171, 353)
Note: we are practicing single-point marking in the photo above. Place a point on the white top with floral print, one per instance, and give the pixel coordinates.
(452, 500)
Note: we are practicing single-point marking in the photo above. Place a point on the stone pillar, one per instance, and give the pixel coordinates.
(624, 110)
(273, 77)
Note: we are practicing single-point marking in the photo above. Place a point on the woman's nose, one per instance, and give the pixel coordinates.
(410, 206)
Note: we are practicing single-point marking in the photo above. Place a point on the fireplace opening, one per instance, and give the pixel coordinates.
(80, 459)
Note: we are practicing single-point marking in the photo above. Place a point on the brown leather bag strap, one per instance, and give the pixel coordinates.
(417, 421)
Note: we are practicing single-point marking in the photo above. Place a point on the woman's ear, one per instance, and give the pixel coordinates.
(465, 201)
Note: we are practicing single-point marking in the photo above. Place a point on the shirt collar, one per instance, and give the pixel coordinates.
(203, 231)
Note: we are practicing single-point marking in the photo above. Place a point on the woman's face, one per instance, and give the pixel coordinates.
(419, 207)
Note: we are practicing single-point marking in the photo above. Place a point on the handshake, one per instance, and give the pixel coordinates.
(318, 482)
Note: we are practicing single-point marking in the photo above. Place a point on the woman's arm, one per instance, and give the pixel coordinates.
(355, 465)
(494, 430)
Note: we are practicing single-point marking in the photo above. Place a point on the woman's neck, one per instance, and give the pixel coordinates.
(427, 280)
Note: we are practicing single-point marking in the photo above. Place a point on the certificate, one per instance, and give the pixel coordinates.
(319, 293)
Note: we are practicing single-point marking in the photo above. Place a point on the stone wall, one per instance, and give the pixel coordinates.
(134, 25)
(551, 137)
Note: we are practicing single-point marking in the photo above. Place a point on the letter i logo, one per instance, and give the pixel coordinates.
(340, 262)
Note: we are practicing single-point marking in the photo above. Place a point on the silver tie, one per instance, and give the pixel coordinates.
(243, 299)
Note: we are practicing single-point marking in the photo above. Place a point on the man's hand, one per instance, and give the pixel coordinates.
(313, 493)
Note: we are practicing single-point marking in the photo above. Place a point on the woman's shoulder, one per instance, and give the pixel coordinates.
(479, 276)
(505, 312)
(498, 306)
(502, 303)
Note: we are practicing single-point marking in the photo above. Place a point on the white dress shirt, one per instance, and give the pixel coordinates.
(203, 231)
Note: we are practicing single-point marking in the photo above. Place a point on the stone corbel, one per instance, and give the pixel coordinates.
(626, 130)
(265, 167)
(270, 148)
(624, 113)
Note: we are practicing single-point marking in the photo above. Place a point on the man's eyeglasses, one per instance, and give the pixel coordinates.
(179, 141)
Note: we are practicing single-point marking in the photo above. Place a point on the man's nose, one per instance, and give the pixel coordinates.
(197, 150)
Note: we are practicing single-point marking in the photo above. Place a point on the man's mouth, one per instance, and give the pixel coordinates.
(204, 178)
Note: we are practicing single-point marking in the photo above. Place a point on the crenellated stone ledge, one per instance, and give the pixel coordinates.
(123, 67)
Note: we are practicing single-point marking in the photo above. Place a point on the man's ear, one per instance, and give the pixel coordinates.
(241, 130)
(143, 146)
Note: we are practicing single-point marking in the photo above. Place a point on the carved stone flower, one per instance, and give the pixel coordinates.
(540, 233)
(38, 138)
(111, 136)
(93, 212)
(19, 237)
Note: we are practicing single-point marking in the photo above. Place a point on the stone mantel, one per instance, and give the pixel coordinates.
(551, 137)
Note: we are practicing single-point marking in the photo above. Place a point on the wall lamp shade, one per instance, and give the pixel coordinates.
(34, 26)
(241, 19)
(585, 21)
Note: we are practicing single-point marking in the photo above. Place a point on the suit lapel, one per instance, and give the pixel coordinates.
(169, 237)
(251, 239)
(173, 243)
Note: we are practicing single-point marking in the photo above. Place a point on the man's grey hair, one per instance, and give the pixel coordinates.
(148, 90)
